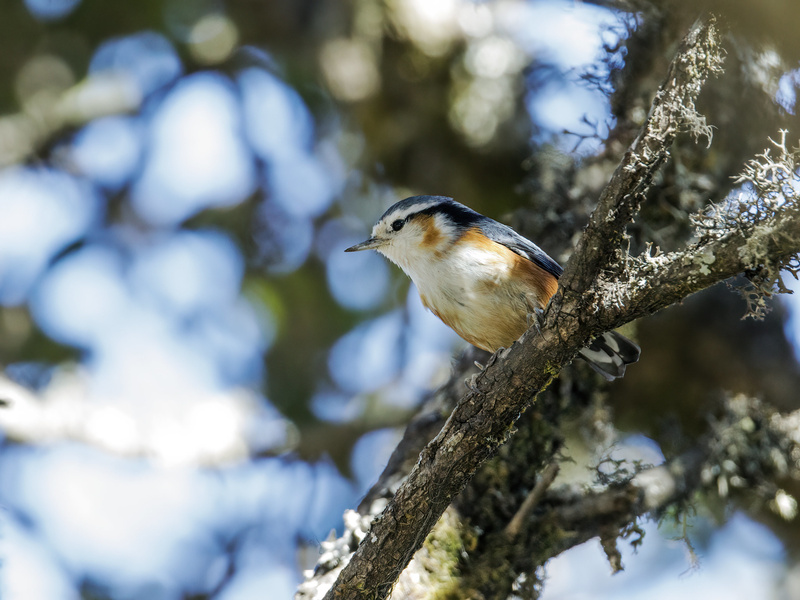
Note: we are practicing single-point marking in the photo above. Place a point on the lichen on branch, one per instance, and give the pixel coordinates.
(764, 214)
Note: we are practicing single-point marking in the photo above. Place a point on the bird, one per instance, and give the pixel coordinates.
(480, 277)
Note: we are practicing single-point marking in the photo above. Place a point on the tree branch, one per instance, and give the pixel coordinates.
(753, 442)
(664, 280)
(602, 287)
(672, 110)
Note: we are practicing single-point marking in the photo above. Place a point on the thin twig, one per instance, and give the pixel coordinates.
(545, 481)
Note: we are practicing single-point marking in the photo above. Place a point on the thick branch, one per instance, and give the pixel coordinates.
(484, 418)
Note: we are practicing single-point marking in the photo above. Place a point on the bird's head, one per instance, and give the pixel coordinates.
(418, 230)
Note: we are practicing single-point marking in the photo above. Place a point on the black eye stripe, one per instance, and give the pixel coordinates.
(398, 224)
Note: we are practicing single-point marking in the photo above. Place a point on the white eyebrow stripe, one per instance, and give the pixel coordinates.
(403, 214)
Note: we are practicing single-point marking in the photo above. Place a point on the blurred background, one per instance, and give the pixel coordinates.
(200, 381)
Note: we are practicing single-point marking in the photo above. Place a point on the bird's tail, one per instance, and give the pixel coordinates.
(609, 353)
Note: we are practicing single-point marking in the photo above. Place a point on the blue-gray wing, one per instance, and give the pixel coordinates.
(502, 234)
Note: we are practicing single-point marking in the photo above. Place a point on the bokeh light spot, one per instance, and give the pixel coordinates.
(366, 358)
(147, 58)
(277, 120)
(188, 272)
(108, 150)
(51, 10)
(300, 183)
(213, 38)
(30, 570)
(786, 95)
(350, 69)
(284, 240)
(357, 280)
(431, 25)
(40, 212)
(370, 455)
(337, 407)
(42, 79)
(81, 297)
(198, 158)
(251, 582)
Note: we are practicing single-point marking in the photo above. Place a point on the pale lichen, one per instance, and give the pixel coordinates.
(769, 191)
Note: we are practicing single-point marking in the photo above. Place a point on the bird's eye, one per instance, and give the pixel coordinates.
(398, 225)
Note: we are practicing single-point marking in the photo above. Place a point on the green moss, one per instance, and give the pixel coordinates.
(441, 556)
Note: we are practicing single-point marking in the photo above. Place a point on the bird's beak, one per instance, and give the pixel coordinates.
(371, 243)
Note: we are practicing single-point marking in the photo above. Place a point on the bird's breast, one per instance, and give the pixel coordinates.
(484, 291)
